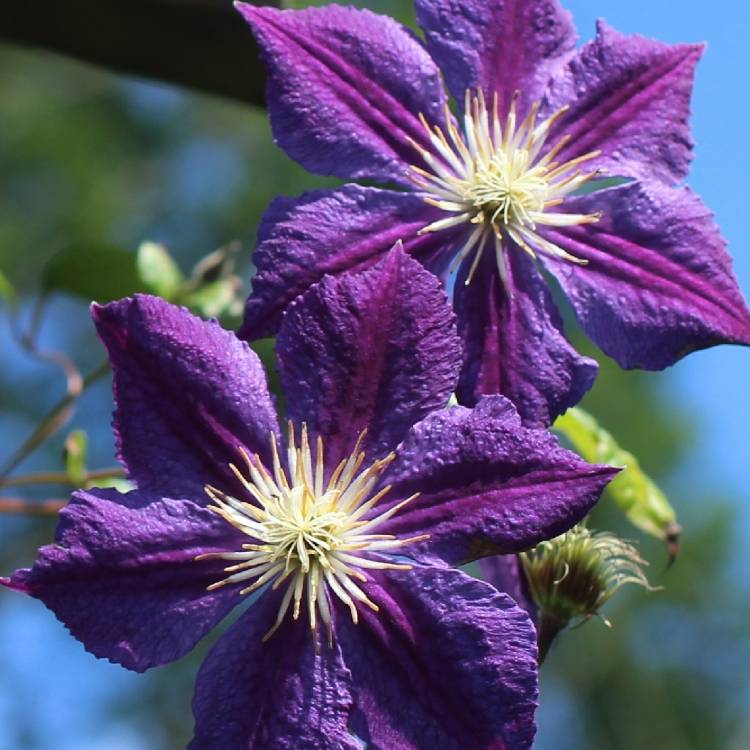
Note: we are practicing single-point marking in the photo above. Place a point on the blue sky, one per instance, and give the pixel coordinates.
(711, 384)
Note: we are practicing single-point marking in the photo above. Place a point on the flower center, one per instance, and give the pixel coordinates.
(312, 533)
(498, 177)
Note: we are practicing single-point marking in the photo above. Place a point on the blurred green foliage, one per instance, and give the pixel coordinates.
(91, 271)
(637, 495)
(91, 164)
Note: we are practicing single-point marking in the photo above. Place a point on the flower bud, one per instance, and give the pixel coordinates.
(572, 576)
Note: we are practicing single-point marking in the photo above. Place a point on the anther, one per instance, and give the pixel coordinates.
(498, 176)
(316, 538)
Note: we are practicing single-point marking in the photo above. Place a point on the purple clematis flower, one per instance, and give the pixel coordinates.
(341, 535)
(490, 198)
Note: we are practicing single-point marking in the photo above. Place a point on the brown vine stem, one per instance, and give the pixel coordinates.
(31, 507)
(57, 417)
(28, 340)
(60, 477)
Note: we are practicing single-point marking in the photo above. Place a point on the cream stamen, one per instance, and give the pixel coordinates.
(493, 177)
(308, 534)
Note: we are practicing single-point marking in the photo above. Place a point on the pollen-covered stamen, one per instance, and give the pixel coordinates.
(312, 533)
(498, 177)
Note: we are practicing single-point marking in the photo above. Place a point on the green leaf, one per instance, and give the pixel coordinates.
(216, 299)
(600, 184)
(93, 272)
(644, 504)
(7, 292)
(75, 449)
(218, 264)
(118, 483)
(158, 271)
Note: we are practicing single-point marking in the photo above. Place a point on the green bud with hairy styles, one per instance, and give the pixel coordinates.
(572, 576)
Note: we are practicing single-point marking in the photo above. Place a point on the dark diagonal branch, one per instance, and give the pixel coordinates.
(201, 44)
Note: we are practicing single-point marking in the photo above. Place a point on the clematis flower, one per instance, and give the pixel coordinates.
(507, 190)
(340, 536)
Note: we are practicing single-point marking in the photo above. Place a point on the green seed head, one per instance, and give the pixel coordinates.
(574, 575)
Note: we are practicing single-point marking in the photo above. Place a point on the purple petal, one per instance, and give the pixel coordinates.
(447, 663)
(515, 345)
(487, 484)
(505, 573)
(282, 694)
(123, 578)
(187, 393)
(326, 231)
(658, 283)
(630, 97)
(375, 350)
(345, 89)
(499, 46)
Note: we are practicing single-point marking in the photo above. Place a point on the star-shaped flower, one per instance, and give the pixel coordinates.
(510, 187)
(340, 535)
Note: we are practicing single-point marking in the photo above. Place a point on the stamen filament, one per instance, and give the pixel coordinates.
(310, 533)
(501, 176)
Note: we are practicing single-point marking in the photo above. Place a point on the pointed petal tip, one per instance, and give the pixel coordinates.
(17, 581)
(608, 471)
(660, 283)
(604, 30)
(91, 578)
(101, 309)
(247, 9)
(104, 314)
(96, 308)
(258, 17)
(399, 260)
(376, 348)
(110, 312)
(398, 254)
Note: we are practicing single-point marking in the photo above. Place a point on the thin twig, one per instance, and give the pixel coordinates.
(60, 477)
(57, 417)
(31, 507)
(28, 340)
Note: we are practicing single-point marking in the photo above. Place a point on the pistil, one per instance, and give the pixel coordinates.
(316, 535)
(498, 179)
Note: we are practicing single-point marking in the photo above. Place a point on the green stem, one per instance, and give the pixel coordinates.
(548, 629)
